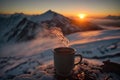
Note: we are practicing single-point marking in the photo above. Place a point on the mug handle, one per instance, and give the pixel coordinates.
(78, 55)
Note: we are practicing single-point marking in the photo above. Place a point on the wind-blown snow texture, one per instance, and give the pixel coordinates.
(20, 27)
(33, 59)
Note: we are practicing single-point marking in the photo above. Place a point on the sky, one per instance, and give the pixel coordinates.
(65, 7)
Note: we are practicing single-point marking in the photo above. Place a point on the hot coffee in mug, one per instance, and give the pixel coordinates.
(64, 60)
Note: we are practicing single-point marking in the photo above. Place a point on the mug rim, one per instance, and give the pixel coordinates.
(72, 52)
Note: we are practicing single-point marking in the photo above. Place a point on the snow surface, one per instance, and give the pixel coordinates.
(33, 60)
(43, 17)
(10, 22)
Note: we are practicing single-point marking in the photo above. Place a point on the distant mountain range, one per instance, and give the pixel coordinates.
(113, 17)
(20, 27)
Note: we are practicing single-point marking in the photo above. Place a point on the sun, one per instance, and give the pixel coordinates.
(82, 16)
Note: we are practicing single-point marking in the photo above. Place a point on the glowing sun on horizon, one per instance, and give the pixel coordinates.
(82, 16)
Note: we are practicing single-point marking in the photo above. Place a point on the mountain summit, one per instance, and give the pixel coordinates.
(49, 12)
(67, 25)
(48, 15)
(27, 28)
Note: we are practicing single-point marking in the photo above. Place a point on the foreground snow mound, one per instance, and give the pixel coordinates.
(39, 68)
(33, 60)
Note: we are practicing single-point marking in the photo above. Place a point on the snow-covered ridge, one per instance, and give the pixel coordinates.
(13, 27)
(48, 15)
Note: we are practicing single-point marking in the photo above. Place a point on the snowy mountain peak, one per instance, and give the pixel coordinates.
(21, 28)
(48, 15)
(49, 12)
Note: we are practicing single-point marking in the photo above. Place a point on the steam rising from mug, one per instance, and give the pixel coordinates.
(60, 36)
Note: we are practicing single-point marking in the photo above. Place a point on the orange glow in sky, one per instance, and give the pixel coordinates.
(94, 8)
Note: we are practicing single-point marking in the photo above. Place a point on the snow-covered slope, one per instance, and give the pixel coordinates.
(8, 24)
(103, 44)
(34, 59)
(68, 26)
(48, 15)
(53, 19)
(20, 27)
